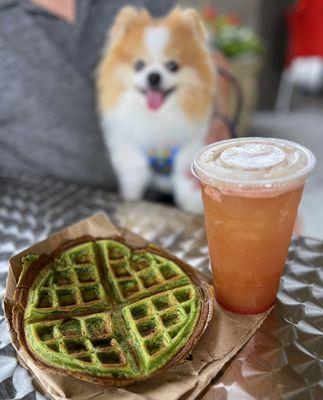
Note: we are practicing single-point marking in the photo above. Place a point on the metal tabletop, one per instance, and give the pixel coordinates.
(283, 360)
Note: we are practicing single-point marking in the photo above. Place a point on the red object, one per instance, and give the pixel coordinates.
(305, 29)
(233, 19)
(209, 13)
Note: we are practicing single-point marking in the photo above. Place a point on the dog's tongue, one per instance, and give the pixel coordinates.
(155, 99)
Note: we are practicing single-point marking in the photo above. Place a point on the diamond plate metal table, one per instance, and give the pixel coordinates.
(283, 360)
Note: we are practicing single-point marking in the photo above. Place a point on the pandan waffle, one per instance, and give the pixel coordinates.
(105, 312)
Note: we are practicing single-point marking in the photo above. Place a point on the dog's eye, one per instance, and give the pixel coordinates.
(139, 65)
(172, 66)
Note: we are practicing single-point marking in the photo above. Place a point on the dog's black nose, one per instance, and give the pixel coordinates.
(154, 79)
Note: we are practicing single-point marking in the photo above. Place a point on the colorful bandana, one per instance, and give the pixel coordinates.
(161, 161)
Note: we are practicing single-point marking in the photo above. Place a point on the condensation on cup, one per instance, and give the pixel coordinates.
(251, 189)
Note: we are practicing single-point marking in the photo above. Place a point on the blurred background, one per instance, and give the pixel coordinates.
(49, 49)
(275, 50)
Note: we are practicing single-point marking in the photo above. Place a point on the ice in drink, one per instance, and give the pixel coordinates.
(251, 189)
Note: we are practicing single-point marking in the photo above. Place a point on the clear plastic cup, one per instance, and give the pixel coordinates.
(251, 189)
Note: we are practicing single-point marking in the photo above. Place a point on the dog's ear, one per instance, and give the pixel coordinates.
(194, 19)
(124, 19)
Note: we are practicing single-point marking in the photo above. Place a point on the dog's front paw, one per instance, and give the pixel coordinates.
(133, 182)
(131, 167)
(132, 189)
(188, 193)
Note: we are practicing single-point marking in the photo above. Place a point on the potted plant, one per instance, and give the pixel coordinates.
(242, 47)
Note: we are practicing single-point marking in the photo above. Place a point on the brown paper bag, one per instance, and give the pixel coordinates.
(224, 337)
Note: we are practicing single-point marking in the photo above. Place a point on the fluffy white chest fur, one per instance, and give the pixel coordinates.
(135, 132)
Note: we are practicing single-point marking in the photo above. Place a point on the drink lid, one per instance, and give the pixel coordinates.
(253, 163)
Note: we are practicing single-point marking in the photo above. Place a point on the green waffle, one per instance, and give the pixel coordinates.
(108, 313)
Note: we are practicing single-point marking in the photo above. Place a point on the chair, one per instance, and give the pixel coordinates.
(304, 61)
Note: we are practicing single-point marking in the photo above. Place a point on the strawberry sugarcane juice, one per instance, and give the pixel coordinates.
(251, 190)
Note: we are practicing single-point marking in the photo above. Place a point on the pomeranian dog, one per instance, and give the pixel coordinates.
(156, 90)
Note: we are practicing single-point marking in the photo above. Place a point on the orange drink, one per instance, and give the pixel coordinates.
(251, 189)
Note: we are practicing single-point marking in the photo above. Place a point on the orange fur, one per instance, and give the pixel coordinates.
(121, 54)
(187, 45)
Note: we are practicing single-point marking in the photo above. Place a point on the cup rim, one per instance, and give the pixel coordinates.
(297, 178)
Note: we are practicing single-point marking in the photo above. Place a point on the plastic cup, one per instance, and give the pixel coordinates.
(251, 189)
